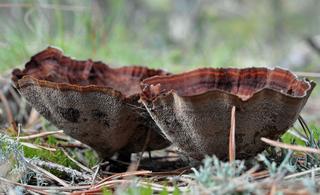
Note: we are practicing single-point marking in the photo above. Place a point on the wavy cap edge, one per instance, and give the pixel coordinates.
(151, 87)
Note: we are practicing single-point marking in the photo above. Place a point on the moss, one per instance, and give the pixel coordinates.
(91, 157)
(57, 157)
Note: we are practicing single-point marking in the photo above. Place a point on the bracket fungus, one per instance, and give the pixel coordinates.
(193, 109)
(91, 102)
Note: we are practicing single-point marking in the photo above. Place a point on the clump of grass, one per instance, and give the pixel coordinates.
(306, 136)
(311, 160)
(288, 164)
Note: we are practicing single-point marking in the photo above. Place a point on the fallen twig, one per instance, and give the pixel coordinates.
(125, 174)
(289, 146)
(95, 175)
(302, 173)
(260, 174)
(46, 173)
(43, 134)
(51, 188)
(69, 171)
(39, 147)
(76, 162)
(153, 186)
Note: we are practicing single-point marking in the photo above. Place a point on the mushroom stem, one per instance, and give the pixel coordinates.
(232, 143)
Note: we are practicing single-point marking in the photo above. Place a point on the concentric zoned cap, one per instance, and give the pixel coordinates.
(193, 108)
(92, 102)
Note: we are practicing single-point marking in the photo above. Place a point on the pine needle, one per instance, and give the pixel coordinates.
(232, 142)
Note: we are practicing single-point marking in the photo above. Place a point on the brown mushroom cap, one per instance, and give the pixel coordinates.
(51, 68)
(92, 102)
(193, 109)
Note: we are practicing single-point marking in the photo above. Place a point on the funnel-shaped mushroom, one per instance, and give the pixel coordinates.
(92, 102)
(193, 109)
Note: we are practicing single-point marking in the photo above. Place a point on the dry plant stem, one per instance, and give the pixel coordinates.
(260, 174)
(297, 192)
(159, 187)
(134, 165)
(43, 134)
(33, 117)
(66, 170)
(76, 162)
(19, 131)
(282, 190)
(33, 191)
(100, 164)
(154, 186)
(289, 146)
(38, 147)
(114, 183)
(273, 189)
(119, 161)
(305, 128)
(69, 142)
(177, 172)
(302, 173)
(51, 188)
(72, 145)
(9, 112)
(95, 175)
(107, 183)
(125, 174)
(297, 134)
(232, 143)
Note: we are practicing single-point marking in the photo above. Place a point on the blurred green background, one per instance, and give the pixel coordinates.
(175, 35)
